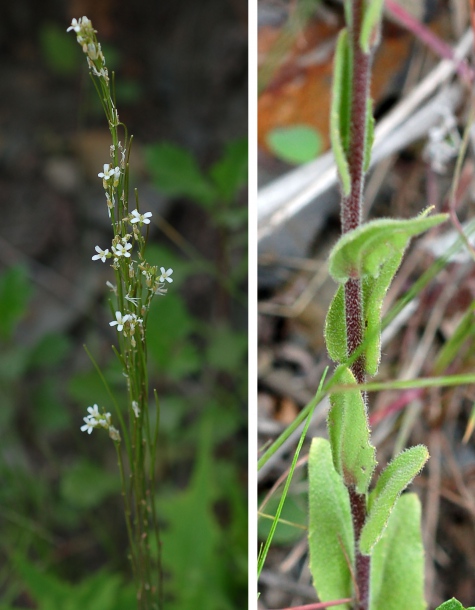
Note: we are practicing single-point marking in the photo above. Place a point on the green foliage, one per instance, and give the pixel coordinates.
(193, 536)
(369, 135)
(103, 591)
(295, 144)
(85, 485)
(59, 50)
(335, 327)
(348, 429)
(15, 293)
(175, 172)
(292, 515)
(372, 252)
(364, 251)
(330, 527)
(340, 109)
(397, 563)
(393, 480)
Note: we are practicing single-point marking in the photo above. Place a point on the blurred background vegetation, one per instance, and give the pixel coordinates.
(181, 74)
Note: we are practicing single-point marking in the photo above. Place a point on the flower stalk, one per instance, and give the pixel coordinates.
(136, 283)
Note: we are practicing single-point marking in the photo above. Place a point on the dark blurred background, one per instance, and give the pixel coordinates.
(181, 86)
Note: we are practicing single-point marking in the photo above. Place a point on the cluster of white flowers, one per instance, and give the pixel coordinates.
(95, 419)
(86, 37)
(138, 281)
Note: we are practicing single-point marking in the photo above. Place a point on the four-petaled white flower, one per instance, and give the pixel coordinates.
(122, 250)
(109, 171)
(141, 218)
(165, 275)
(94, 412)
(75, 25)
(101, 254)
(120, 320)
(90, 424)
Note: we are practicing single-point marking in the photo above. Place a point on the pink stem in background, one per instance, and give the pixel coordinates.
(321, 605)
(421, 31)
(397, 405)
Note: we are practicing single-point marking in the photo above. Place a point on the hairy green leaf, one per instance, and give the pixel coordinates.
(451, 604)
(369, 135)
(330, 527)
(371, 20)
(363, 251)
(353, 454)
(340, 109)
(393, 480)
(335, 327)
(374, 291)
(397, 562)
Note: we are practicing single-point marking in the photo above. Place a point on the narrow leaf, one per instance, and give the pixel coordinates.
(364, 250)
(371, 20)
(330, 527)
(374, 291)
(393, 480)
(369, 135)
(353, 454)
(397, 562)
(340, 110)
(335, 327)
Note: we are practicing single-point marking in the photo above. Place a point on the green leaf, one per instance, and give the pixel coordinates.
(229, 174)
(50, 350)
(335, 327)
(15, 294)
(397, 562)
(363, 251)
(193, 534)
(374, 291)
(46, 589)
(330, 527)
(451, 604)
(369, 135)
(175, 172)
(392, 481)
(59, 49)
(353, 455)
(340, 109)
(85, 485)
(371, 20)
(295, 144)
(227, 348)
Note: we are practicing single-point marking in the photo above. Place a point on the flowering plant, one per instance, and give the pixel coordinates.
(136, 283)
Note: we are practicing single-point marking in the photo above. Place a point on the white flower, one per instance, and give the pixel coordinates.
(133, 300)
(135, 407)
(109, 171)
(101, 254)
(122, 250)
(75, 25)
(90, 424)
(165, 275)
(119, 320)
(94, 412)
(141, 218)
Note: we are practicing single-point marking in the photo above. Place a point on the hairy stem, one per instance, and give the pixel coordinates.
(351, 217)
